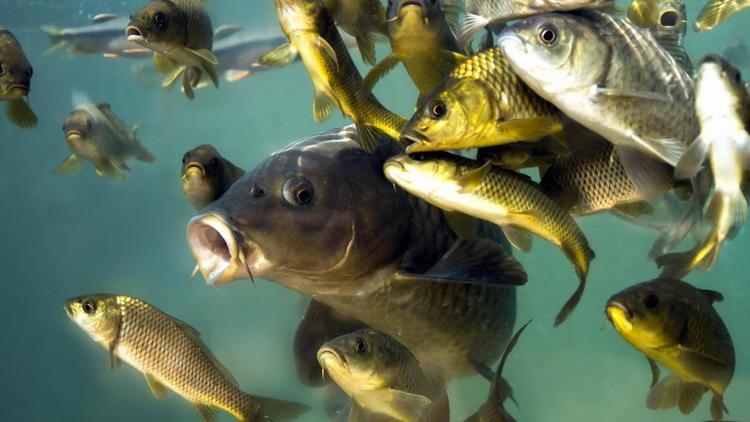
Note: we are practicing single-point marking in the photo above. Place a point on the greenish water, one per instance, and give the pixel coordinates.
(63, 236)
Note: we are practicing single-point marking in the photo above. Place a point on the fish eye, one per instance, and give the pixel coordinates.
(213, 162)
(651, 301)
(257, 192)
(88, 306)
(184, 159)
(360, 346)
(88, 124)
(298, 191)
(548, 35)
(419, 156)
(438, 109)
(738, 76)
(2, 68)
(160, 19)
(30, 72)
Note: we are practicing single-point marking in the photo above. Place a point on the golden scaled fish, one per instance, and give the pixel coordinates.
(716, 11)
(15, 81)
(361, 19)
(667, 22)
(422, 39)
(506, 198)
(206, 175)
(383, 378)
(180, 34)
(675, 324)
(481, 103)
(723, 108)
(172, 356)
(313, 35)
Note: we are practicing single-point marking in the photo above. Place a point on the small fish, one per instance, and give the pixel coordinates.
(15, 81)
(103, 36)
(613, 78)
(180, 34)
(206, 175)
(715, 11)
(493, 409)
(676, 325)
(337, 82)
(723, 107)
(381, 375)
(239, 51)
(506, 198)
(361, 19)
(481, 13)
(171, 355)
(422, 39)
(95, 134)
(667, 21)
(481, 103)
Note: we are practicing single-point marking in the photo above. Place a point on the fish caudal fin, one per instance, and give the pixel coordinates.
(55, 36)
(581, 258)
(471, 25)
(271, 409)
(19, 112)
(144, 154)
(715, 11)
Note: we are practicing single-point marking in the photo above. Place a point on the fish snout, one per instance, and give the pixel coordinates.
(619, 315)
(410, 3)
(134, 33)
(68, 309)
(194, 169)
(73, 135)
(328, 356)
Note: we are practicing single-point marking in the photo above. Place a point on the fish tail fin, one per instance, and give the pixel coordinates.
(55, 36)
(471, 25)
(581, 258)
(679, 264)
(715, 11)
(269, 409)
(144, 155)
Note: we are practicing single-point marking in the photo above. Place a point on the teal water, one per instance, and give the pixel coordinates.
(65, 236)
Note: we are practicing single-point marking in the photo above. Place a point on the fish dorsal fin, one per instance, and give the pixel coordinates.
(113, 120)
(196, 337)
(158, 389)
(472, 261)
(712, 295)
(226, 30)
(473, 178)
(104, 17)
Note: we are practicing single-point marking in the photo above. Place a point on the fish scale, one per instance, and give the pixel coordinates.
(200, 33)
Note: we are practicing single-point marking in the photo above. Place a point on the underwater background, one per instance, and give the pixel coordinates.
(64, 236)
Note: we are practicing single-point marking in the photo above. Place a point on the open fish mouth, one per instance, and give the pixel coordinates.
(221, 253)
(18, 90)
(194, 169)
(415, 141)
(328, 355)
(409, 3)
(134, 34)
(670, 18)
(68, 310)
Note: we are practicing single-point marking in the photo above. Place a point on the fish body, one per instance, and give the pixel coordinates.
(422, 39)
(613, 78)
(381, 375)
(716, 11)
(206, 175)
(95, 134)
(332, 227)
(104, 36)
(239, 54)
(361, 19)
(723, 108)
(481, 103)
(667, 21)
(676, 325)
(170, 354)
(313, 35)
(15, 81)
(499, 196)
(180, 34)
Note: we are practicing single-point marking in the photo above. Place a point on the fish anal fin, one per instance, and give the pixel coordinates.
(19, 112)
(518, 238)
(527, 129)
(690, 395)
(323, 105)
(158, 389)
(717, 407)
(665, 394)
(279, 56)
(206, 413)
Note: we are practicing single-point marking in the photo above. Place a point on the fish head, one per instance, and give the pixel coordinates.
(159, 24)
(81, 131)
(15, 71)
(204, 175)
(671, 14)
(98, 315)
(428, 175)
(719, 86)
(300, 15)
(556, 52)
(451, 118)
(309, 216)
(647, 315)
(410, 18)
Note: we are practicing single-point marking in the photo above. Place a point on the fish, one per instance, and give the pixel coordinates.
(382, 376)
(239, 51)
(716, 11)
(723, 108)
(180, 34)
(613, 78)
(15, 81)
(332, 227)
(336, 80)
(667, 22)
(103, 36)
(206, 175)
(493, 409)
(361, 19)
(503, 197)
(422, 39)
(481, 103)
(675, 324)
(95, 134)
(171, 355)
(494, 13)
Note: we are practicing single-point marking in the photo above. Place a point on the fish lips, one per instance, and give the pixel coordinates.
(73, 135)
(617, 308)
(193, 169)
(135, 35)
(223, 255)
(416, 141)
(327, 354)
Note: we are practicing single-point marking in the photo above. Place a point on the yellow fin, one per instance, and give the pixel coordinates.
(279, 56)
(463, 225)
(379, 71)
(471, 179)
(322, 106)
(164, 64)
(157, 388)
(366, 47)
(529, 129)
(715, 11)
(321, 43)
(518, 238)
(70, 165)
(206, 413)
(19, 112)
(173, 76)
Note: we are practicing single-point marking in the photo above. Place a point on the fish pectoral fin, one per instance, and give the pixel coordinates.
(206, 413)
(323, 105)
(692, 161)
(472, 261)
(157, 389)
(482, 369)
(173, 76)
(473, 178)
(369, 137)
(712, 295)
(208, 64)
(107, 168)
(234, 75)
(379, 71)
(665, 394)
(19, 112)
(463, 225)
(519, 238)
(690, 395)
(703, 363)
(453, 58)
(635, 210)
(655, 371)
(366, 46)
(70, 165)
(330, 53)
(226, 30)
(104, 17)
(528, 129)
(205, 55)
(650, 176)
(164, 64)
(407, 405)
(279, 56)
